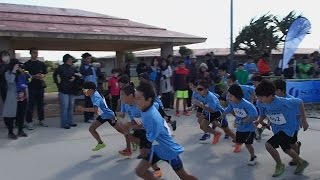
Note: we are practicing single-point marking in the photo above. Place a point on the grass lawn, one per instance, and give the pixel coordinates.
(51, 86)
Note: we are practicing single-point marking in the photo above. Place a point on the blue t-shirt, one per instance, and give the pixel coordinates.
(93, 77)
(157, 100)
(242, 110)
(247, 92)
(251, 67)
(132, 110)
(298, 113)
(153, 123)
(282, 113)
(197, 96)
(103, 109)
(212, 102)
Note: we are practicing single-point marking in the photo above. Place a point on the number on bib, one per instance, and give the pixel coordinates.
(277, 119)
(241, 113)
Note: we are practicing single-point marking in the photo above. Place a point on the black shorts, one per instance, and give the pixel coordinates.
(139, 133)
(245, 137)
(280, 139)
(199, 109)
(216, 117)
(175, 163)
(294, 139)
(112, 122)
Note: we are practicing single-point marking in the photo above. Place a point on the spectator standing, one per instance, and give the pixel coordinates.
(11, 107)
(4, 61)
(114, 89)
(165, 83)
(89, 73)
(38, 70)
(305, 69)
(263, 65)
(68, 76)
(154, 73)
(250, 66)
(180, 82)
(142, 67)
(241, 74)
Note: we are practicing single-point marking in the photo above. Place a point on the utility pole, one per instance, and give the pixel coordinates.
(231, 39)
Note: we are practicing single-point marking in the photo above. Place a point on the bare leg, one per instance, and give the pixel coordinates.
(184, 105)
(250, 149)
(273, 152)
(177, 105)
(206, 128)
(93, 131)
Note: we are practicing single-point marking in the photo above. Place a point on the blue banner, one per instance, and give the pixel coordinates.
(308, 91)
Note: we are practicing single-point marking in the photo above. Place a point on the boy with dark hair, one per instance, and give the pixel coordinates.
(212, 111)
(180, 84)
(101, 108)
(245, 113)
(167, 149)
(281, 91)
(282, 114)
(248, 91)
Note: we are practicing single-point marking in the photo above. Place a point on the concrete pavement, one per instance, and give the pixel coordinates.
(57, 154)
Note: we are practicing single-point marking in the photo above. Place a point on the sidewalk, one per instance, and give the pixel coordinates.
(57, 154)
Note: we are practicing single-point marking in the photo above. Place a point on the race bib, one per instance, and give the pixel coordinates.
(241, 113)
(277, 119)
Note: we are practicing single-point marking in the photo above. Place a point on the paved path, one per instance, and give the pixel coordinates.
(58, 154)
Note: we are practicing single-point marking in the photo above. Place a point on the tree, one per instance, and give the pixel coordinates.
(130, 57)
(184, 51)
(264, 34)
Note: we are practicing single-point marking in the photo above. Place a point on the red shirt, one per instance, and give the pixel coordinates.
(263, 67)
(114, 86)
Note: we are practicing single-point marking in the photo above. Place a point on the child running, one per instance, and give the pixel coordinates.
(245, 113)
(281, 91)
(212, 113)
(100, 107)
(282, 114)
(167, 149)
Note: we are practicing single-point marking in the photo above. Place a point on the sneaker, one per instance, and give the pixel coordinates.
(186, 113)
(134, 146)
(22, 134)
(12, 136)
(157, 173)
(66, 127)
(252, 161)
(279, 170)
(300, 167)
(139, 156)
(204, 137)
(293, 163)
(237, 148)
(125, 152)
(177, 114)
(41, 123)
(174, 125)
(99, 146)
(73, 125)
(30, 126)
(216, 138)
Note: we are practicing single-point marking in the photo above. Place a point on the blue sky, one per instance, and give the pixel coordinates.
(207, 18)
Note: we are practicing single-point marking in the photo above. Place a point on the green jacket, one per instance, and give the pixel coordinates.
(242, 76)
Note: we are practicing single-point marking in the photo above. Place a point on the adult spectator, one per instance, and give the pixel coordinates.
(89, 73)
(263, 65)
(4, 61)
(66, 83)
(154, 72)
(142, 67)
(304, 68)
(38, 70)
(241, 74)
(288, 73)
(165, 83)
(193, 70)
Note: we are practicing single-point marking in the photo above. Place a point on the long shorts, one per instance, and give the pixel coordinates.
(280, 139)
(175, 163)
(245, 137)
(112, 122)
(182, 94)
